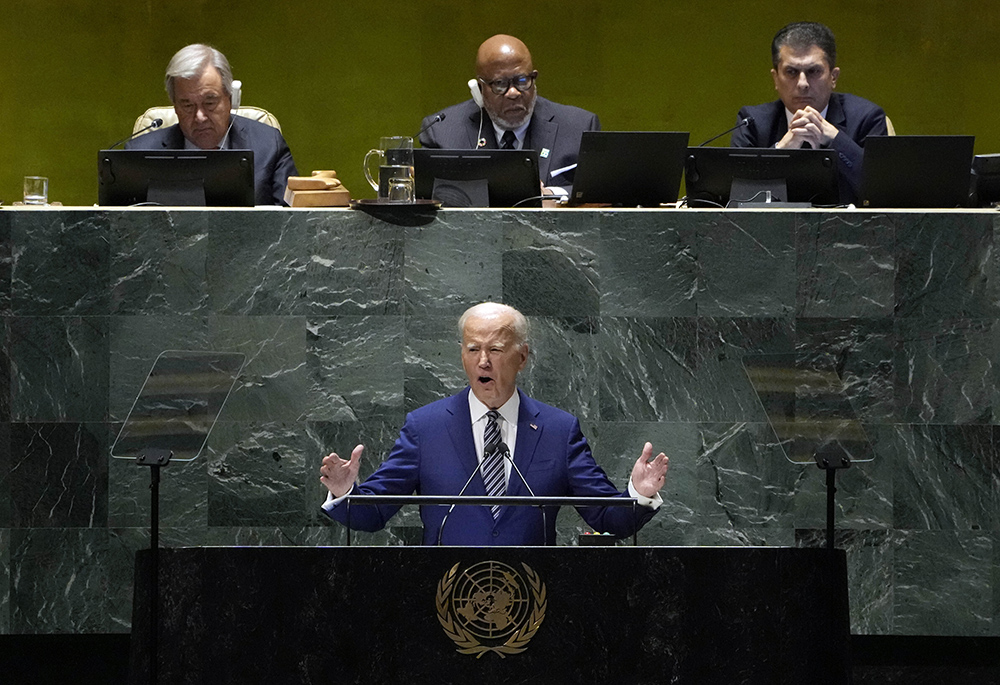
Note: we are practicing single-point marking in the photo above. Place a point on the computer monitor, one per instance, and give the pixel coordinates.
(986, 180)
(198, 178)
(725, 176)
(917, 171)
(629, 168)
(477, 178)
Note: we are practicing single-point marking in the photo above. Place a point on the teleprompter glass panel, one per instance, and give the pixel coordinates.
(179, 403)
(808, 409)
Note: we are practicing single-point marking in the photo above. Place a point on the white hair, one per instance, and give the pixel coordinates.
(192, 60)
(519, 323)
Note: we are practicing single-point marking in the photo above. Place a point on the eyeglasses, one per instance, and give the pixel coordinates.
(523, 83)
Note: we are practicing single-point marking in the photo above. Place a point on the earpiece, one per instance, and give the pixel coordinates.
(237, 94)
(477, 91)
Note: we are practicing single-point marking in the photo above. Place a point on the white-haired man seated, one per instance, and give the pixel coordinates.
(199, 82)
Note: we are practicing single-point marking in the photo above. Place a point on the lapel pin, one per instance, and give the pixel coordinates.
(544, 153)
(533, 426)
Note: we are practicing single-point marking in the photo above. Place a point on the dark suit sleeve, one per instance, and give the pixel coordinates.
(850, 152)
(282, 168)
(399, 474)
(587, 479)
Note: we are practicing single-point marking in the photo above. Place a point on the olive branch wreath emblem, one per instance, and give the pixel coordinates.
(466, 641)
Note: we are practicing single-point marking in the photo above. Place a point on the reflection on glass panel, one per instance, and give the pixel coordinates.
(179, 403)
(808, 409)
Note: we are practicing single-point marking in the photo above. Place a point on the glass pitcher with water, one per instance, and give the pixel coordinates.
(395, 172)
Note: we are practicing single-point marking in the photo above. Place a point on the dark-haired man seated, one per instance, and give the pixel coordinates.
(809, 113)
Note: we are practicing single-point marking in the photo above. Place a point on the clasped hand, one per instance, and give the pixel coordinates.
(808, 126)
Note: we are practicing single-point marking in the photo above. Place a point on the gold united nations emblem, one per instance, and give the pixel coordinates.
(491, 607)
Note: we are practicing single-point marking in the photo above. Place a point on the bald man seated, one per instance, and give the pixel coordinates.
(492, 439)
(510, 113)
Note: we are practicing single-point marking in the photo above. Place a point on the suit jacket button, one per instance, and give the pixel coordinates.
(496, 533)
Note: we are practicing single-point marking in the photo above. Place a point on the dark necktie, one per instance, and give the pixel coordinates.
(493, 471)
(508, 140)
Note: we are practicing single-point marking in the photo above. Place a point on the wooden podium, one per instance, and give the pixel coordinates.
(441, 615)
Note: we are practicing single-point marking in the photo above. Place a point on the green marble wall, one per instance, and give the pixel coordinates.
(74, 74)
(640, 321)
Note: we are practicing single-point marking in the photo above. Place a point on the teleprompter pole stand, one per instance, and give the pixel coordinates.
(155, 459)
(830, 465)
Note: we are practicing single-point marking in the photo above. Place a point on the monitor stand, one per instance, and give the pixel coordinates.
(762, 193)
(187, 193)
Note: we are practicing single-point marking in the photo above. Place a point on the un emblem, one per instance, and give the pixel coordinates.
(491, 607)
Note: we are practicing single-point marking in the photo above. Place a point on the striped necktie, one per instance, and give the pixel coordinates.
(493, 471)
(508, 140)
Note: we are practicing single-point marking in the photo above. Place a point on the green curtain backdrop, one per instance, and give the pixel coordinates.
(74, 74)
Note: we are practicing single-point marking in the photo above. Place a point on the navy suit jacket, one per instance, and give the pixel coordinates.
(272, 160)
(436, 454)
(855, 117)
(554, 127)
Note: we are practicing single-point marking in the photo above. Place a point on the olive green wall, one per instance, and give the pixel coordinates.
(74, 74)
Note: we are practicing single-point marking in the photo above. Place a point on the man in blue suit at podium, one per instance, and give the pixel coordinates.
(492, 439)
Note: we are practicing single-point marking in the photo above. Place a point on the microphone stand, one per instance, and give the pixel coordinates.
(505, 453)
(156, 123)
(448, 513)
(745, 121)
(437, 118)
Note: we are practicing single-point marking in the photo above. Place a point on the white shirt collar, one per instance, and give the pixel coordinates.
(520, 132)
(508, 411)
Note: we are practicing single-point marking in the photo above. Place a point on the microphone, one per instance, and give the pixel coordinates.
(505, 453)
(156, 123)
(437, 117)
(745, 121)
(448, 513)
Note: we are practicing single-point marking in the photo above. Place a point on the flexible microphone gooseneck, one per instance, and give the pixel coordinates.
(448, 513)
(437, 117)
(505, 453)
(156, 123)
(745, 121)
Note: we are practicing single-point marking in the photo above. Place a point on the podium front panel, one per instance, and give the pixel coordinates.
(504, 615)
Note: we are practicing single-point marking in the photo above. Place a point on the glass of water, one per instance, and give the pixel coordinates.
(36, 190)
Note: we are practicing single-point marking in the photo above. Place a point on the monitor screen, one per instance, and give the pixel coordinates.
(477, 178)
(724, 176)
(917, 171)
(199, 178)
(629, 168)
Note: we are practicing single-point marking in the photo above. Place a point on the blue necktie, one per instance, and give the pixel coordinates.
(493, 471)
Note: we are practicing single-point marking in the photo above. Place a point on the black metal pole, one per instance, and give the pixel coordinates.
(154, 571)
(831, 489)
